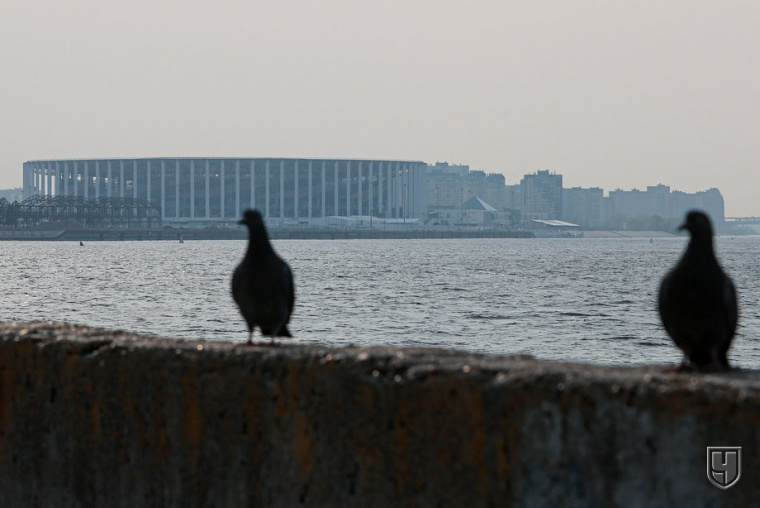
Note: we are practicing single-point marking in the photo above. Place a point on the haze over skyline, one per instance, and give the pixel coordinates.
(608, 94)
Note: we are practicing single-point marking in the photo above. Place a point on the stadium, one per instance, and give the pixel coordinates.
(204, 190)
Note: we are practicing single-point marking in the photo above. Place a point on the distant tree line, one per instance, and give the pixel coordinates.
(9, 213)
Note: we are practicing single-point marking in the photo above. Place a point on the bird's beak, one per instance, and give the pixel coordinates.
(682, 227)
(241, 222)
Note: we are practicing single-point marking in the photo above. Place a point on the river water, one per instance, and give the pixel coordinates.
(590, 300)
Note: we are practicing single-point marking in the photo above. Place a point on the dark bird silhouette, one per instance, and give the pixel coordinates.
(262, 284)
(697, 301)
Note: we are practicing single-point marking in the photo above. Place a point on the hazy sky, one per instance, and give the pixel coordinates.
(615, 94)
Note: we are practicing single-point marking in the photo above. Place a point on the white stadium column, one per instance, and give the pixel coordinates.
(121, 179)
(253, 183)
(310, 187)
(380, 207)
(407, 188)
(163, 189)
(221, 187)
(208, 191)
(147, 190)
(295, 190)
(76, 179)
(369, 179)
(176, 188)
(282, 189)
(56, 176)
(97, 179)
(389, 190)
(336, 190)
(400, 191)
(192, 189)
(324, 190)
(360, 208)
(109, 185)
(65, 178)
(266, 190)
(52, 171)
(348, 188)
(237, 187)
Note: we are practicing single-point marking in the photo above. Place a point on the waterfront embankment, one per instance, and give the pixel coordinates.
(91, 417)
(240, 233)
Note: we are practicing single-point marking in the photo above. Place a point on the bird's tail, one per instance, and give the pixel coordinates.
(284, 332)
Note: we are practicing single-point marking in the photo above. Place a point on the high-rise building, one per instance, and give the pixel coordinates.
(585, 207)
(450, 185)
(496, 190)
(446, 185)
(659, 200)
(541, 196)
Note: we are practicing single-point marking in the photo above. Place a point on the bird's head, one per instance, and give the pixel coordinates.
(698, 224)
(252, 218)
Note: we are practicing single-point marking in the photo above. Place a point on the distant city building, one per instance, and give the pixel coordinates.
(496, 190)
(450, 185)
(12, 195)
(585, 207)
(541, 196)
(512, 197)
(476, 185)
(219, 189)
(660, 201)
(446, 185)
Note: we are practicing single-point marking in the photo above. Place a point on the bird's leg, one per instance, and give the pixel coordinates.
(685, 366)
(723, 361)
(719, 365)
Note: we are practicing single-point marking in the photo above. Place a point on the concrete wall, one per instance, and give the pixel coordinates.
(91, 417)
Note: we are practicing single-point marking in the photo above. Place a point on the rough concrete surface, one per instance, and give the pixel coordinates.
(92, 417)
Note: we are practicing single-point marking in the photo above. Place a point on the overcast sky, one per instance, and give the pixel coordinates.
(614, 94)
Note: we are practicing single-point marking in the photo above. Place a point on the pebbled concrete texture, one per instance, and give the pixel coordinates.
(93, 417)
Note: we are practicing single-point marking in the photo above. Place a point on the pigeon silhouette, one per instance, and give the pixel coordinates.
(262, 284)
(697, 301)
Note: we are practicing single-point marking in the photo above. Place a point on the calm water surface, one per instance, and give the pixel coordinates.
(590, 300)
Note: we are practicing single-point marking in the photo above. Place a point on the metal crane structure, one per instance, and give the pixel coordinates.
(97, 213)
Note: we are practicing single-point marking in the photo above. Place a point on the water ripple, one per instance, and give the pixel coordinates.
(586, 300)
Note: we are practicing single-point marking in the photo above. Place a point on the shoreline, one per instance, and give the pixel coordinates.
(174, 234)
(188, 234)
